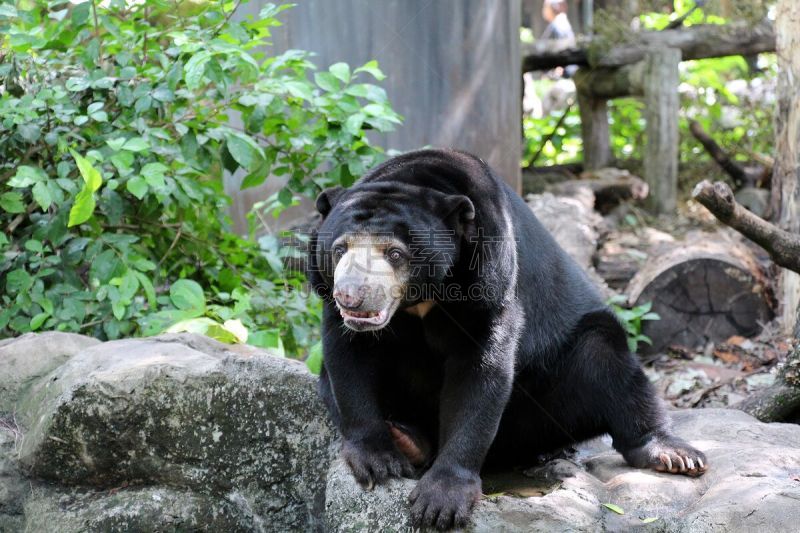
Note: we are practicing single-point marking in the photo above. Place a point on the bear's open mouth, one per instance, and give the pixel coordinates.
(371, 317)
(366, 320)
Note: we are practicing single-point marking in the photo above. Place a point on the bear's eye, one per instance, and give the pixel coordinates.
(394, 254)
(338, 251)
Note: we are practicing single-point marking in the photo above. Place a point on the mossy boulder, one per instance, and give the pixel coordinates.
(226, 422)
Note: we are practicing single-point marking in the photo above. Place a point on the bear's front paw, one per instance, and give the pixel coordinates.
(373, 463)
(444, 499)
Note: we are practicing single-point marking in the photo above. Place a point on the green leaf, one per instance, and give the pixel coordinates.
(11, 202)
(300, 89)
(128, 285)
(353, 123)
(116, 143)
(163, 94)
(269, 339)
(372, 68)
(285, 196)
(649, 519)
(105, 267)
(46, 304)
(203, 326)
(238, 329)
(33, 245)
(149, 290)
(118, 308)
(244, 150)
(18, 281)
(82, 209)
(91, 176)
(153, 173)
(7, 10)
(136, 144)
(77, 84)
(187, 295)
(42, 196)
(84, 205)
(314, 359)
(327, 81)
(616, 508)
(29, 132)
(195, 68)
(27, 176)
(341, 71)
(256, 177)
(38, 320)
(137, 186)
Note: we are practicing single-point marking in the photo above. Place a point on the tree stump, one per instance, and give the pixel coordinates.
(704, 291)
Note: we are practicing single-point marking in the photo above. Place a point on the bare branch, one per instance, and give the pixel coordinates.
(782, 246)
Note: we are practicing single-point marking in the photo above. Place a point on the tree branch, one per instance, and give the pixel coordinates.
(719, 155)
(782, 246)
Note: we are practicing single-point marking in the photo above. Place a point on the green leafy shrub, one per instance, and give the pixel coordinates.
(631, 319)
(117, 124)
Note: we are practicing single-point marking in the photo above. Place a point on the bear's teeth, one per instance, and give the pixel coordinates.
(361, 314)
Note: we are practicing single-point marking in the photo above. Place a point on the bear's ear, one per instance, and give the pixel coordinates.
(458, 208)
(327, 199)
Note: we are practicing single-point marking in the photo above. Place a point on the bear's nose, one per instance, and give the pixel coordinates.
(349, 296)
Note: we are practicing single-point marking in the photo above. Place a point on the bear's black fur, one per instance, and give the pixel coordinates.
(517, 355)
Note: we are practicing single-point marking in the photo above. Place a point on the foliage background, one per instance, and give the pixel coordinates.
(728, 96)
(115, 134)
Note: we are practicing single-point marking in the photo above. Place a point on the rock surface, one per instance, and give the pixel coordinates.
(26, 358)
(177, 432)
(181, 433)
(753, 485)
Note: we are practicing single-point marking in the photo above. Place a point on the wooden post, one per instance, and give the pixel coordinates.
(594, 123)
(662, 105)
(786, 178)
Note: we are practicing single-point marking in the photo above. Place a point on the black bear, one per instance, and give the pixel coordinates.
(457, 335)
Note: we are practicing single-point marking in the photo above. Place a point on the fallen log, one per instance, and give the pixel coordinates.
(695, 42)
(623, 253)
(611, 187)
(782, 246)
(705, 289)
(571, 220)
(536, 179)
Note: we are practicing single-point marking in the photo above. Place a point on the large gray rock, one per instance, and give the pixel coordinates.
(571, 221)
(184, 411)
(151, 509)
(752, 485)
(26, 358)
(23, 360)
(14, 488)
(181, 433)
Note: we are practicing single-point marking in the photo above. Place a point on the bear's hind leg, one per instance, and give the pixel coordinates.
(621, 393)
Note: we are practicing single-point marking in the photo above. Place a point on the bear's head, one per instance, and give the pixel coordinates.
(384, 246)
